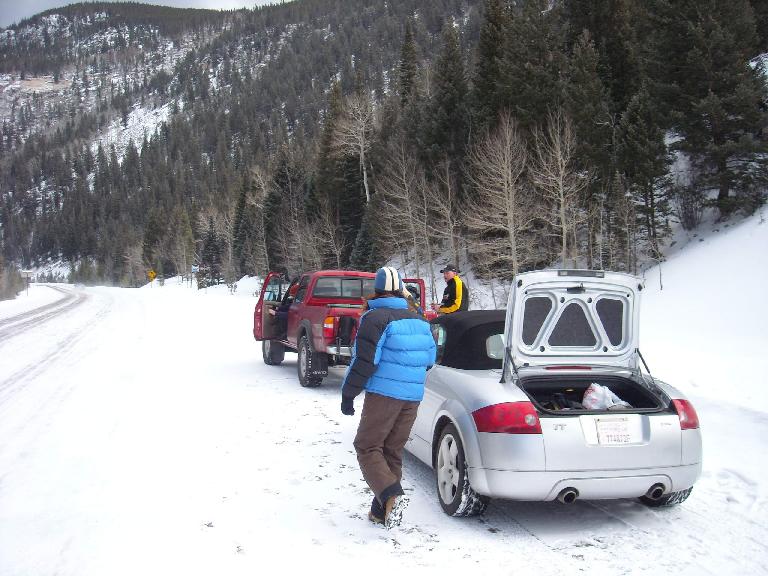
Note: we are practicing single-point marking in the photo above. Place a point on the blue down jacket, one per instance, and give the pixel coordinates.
(393, 350)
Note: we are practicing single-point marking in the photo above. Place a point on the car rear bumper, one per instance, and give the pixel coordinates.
(591, 485)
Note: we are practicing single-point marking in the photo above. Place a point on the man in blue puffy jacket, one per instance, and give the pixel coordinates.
(393, 350)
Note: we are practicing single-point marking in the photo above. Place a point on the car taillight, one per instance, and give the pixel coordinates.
(329, 327)
(508, 418)
(689, 420)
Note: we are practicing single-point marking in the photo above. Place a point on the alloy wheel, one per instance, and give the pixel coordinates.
(447, 469)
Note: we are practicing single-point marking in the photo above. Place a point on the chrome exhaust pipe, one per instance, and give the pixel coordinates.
(655, 492)
(568, 495)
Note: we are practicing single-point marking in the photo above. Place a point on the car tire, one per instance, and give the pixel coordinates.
(671, 499)
(273, 352)
(454, 492)
(304, 364)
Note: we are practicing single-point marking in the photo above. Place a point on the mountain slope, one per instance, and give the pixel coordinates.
(704, 331)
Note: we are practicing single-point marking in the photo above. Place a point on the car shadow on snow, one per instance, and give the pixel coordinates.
(557, 525)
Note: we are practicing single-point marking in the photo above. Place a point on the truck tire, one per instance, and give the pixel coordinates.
(304, 364)
(273, 352)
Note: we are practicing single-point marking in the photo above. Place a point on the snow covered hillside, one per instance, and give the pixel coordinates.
(141, 433)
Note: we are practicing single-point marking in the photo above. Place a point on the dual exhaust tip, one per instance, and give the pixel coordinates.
(570, 495)
(655, 492)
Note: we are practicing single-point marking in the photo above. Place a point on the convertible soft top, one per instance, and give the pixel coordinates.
(465, 338)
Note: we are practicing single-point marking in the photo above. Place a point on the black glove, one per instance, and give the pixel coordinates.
(347, 407)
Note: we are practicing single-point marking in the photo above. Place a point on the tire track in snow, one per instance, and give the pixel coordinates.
(39, 309)
(19, 379)
(12, 327)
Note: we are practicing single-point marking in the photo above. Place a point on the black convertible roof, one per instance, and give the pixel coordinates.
(466, 334)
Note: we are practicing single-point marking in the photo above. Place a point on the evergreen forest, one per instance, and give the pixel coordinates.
(506, 134)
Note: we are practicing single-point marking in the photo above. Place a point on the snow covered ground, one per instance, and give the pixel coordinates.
(141, 433)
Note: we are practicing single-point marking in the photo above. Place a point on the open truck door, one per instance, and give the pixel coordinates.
(272, 292)
(417, 287)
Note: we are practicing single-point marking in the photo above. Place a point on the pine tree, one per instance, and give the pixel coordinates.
(487, 100)
(240, 227)
(610, 25)
(533, 64)
(716, 96)
(645, 162)
(588, 105)
(760, 8)
(407, 68)
(448, 120)
(329, 178)
(211, 256)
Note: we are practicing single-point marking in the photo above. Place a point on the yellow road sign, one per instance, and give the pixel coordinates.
(151, 275)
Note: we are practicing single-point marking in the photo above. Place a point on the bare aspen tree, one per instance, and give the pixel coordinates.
(353, 134)
(328, 234)
(624, 245)
(256, 198)
(225, 224)
(446, 214)
(134, 264)
(401, 218)
(295, 239)
(500, 208)
(554, 175)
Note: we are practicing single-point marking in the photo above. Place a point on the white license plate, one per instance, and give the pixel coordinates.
(617, 430)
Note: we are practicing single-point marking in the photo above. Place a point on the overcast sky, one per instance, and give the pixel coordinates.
(12, 11)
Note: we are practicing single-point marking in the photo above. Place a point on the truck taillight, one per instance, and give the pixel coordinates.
(508, 418)
(329, 328)
(689, 420)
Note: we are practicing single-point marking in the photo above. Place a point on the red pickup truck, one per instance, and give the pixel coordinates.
(315, 317)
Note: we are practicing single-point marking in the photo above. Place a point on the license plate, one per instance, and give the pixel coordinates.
(616, 431)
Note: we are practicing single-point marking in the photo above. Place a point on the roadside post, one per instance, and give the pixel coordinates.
(27, 274)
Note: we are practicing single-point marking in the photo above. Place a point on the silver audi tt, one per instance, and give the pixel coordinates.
(546, 401)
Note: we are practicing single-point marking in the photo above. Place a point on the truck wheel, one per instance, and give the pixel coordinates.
(456, 496)
(304, 365)
(273, 352)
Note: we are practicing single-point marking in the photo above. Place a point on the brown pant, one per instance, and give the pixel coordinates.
(385, 424)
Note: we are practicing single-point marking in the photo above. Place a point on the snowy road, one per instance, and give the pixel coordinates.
(140, 433)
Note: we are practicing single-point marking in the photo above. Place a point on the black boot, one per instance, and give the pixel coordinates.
(376, 515)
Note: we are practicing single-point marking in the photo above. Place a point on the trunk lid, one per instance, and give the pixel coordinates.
(574, 317)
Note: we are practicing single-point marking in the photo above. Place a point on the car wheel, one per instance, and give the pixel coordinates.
(456, 496)
(273, 352)
(671, 499)
(304, 365)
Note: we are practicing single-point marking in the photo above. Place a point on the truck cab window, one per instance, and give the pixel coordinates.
(302, 289)
(275, 289)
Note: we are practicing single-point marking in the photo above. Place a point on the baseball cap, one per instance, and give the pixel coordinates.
(450, 268)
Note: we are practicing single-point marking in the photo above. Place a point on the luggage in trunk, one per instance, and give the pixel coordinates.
(565, 394)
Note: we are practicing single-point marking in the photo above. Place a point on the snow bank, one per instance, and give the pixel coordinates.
(703, 325)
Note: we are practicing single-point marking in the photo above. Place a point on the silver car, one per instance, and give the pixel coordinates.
(546, 401)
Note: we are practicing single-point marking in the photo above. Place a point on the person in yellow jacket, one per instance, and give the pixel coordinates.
(455, 295)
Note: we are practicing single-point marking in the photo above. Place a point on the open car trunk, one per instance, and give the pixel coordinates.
(642, 436)
(565, 393)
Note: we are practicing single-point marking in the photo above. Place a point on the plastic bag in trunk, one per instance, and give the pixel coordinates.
(597, 397)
